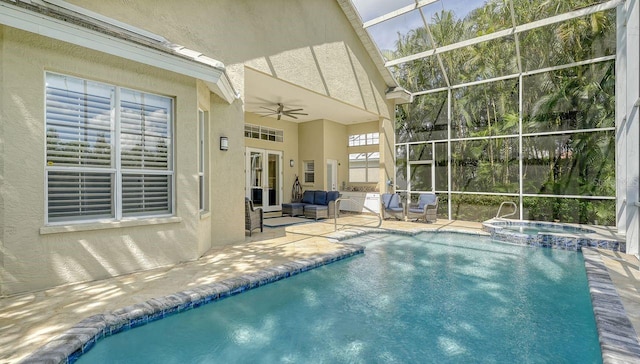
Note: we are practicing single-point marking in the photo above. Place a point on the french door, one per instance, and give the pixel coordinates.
(264, 178)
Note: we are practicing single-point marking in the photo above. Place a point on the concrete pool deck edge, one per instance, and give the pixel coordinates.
(69, 346)
(618, 339)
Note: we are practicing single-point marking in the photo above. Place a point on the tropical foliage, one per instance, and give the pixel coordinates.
(550, 127)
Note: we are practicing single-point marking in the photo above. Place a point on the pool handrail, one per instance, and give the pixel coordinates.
(515, 209)
(336, 209)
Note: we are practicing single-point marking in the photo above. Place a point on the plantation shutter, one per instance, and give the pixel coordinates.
(145, 138)
(87, 132)
(78, 196)
(78, 149)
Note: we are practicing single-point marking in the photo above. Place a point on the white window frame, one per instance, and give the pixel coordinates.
(308, 171)
(116, 170)
(263, 133)
(357, 140)
(203, 160)
(367, 167)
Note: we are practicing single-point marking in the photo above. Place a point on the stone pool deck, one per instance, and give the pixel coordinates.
(28, 321)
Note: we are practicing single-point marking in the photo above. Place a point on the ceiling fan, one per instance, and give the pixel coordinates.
(280, 111)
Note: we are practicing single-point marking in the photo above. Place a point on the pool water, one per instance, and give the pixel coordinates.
(432, 298)
(534, 230)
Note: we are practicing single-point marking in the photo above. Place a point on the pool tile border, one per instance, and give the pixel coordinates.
(570, 240)
(618, 339)
(69, 346)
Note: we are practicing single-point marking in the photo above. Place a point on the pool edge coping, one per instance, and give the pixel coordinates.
(618, 339)
(80, 338)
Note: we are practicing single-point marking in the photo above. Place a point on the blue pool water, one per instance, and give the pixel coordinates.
(432, 298)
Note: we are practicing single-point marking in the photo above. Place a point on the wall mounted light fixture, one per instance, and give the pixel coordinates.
(224, 143)
(290, 162)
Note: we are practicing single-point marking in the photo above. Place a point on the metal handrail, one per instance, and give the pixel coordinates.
(515, 209)
(336, 209)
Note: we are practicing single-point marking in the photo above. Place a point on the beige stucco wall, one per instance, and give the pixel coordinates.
(335, 147)
(227, 174)
(2, 141)
(311, 148)
(36, 259)
(387, 154)
(204, 226)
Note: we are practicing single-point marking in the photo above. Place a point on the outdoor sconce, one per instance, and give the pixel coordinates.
(224, 143)
(290, 162)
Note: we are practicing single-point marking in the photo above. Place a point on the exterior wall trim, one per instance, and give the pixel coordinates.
(185, 62)
(56, 229)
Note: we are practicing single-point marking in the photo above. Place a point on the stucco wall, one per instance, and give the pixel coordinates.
(335, 147)
(204, 226)
(387, 153)
(227, 174)
(36, 259)
(311, 148)
(2, 172)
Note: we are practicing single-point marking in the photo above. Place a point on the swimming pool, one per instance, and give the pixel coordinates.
(428, 298)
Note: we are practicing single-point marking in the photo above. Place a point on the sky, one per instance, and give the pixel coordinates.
(386, 34)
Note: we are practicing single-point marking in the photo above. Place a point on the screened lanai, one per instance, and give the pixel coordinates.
(513, 100)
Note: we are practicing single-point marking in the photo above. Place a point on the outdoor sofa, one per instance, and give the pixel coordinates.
(314, 205)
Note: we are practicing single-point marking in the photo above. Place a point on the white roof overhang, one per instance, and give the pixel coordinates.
(115, 40)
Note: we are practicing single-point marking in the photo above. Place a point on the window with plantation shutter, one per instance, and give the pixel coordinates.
(108, 151)
(309, 171)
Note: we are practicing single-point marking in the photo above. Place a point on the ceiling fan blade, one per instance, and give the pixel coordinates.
(266, 108)
(292, 110)
(291, 116)
(295, 113)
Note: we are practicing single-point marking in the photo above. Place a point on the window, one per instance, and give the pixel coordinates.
(364, 139)
(108, 151)
(203, 159)
(364, 167)
(263, 132)
(309, 172)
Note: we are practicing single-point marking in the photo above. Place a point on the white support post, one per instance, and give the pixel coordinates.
(628, 124)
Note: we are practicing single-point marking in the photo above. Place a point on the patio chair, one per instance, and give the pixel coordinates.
(253, 217)
(426, 208)
(392, 206)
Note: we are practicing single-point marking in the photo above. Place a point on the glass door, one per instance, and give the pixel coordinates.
(332, 175)
(264, 178)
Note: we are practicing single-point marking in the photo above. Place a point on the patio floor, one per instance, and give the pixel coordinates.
(30, 320)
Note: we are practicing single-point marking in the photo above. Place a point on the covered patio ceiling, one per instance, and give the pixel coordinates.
(262, 90)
